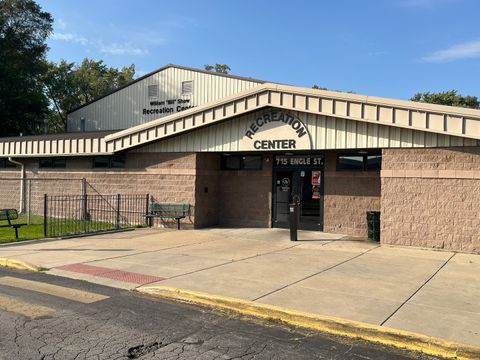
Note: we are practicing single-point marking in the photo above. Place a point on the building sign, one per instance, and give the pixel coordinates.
(299, 160)
(166, 107)
(276, 130)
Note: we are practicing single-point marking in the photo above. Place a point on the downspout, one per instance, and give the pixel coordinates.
(22, 183)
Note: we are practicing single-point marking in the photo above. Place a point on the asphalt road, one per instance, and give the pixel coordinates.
(41, 321)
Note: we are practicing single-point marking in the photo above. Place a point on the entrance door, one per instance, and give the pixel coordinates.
(308, 184)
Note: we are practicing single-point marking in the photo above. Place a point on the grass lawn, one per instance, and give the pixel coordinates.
(26, 232)
(62, 227)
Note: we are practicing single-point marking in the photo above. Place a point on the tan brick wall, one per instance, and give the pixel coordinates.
(431, 198)
(348, 196)
(246, 196)
(10, 188)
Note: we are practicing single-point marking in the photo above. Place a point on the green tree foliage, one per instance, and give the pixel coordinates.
(218, 68)
(450, 98)
(24, 28)
(69, 85)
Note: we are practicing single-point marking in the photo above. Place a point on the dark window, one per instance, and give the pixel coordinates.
(241, 162)
(4, 163)
(231, 162)
(374, 162)
(252, 162)
(106, 162)
(52, 163)
(359, 162)
(350, 162)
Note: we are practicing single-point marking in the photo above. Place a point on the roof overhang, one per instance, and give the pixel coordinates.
(446, 120)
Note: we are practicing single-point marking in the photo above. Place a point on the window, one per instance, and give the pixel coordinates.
(152, 91)
(374, 162)
(4, 163)
(350, 162)
(187, 87)
(109, 162)
(359, 162)
(241, 162)
(82, 124)
(52, 163)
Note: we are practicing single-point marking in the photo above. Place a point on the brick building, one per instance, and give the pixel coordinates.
(237, 149)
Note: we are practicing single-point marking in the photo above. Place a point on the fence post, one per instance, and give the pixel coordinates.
(147, 220)
(45, 214)
(29, 201)
(85, 211)
(117, 220)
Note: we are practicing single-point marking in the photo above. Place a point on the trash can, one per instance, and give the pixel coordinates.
(373, 224)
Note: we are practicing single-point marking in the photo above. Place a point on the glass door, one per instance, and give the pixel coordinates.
(308, 184)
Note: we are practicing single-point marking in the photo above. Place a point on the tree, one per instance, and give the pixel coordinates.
(450, 98)
(218, 68)
(69, 85)
(24, 28)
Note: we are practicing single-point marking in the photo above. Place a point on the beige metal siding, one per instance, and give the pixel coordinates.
(53, 147)
(123, 109)
(328, 133)
(371, 111)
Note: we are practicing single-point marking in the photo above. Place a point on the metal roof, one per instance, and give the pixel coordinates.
(161, 69)
(440, 119)
(429, 118)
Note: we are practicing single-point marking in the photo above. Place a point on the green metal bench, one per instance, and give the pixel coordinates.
(9, 215)
(167, 211)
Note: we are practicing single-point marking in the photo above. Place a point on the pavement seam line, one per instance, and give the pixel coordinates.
(149, 251)
(416, 291)
(315, 274)
(328, 324)
(223, 264)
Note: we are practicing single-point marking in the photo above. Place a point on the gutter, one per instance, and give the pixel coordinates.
(22, 183)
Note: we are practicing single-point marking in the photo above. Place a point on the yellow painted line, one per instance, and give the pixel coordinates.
(17, 264)
(338, 326)
(17, 306)
(55, 290)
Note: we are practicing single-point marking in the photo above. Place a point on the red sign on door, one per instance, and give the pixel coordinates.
(316, 178)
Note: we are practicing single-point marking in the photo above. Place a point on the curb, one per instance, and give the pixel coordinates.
(17, 264)
(328, 324)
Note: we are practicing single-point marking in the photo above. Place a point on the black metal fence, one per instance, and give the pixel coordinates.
(82, 214)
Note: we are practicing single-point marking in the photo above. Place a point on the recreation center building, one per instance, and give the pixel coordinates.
(237, 149)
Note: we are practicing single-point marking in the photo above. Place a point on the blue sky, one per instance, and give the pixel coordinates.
(390, 48)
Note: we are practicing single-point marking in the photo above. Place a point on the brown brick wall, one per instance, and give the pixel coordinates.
(431, 198)
(207, 195)
(348, 196)
(246, 196)
(167, 177)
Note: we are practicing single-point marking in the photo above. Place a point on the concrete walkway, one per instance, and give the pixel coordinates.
(431, 292)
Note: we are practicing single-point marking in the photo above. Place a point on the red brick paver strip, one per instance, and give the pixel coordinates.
(113, 274)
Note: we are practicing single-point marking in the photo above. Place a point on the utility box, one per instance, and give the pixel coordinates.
(373, 224)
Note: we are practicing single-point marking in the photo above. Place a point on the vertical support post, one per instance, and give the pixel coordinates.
(85, 212)
(117, 220)
(29, 202)
(147, 220)
(45, 215)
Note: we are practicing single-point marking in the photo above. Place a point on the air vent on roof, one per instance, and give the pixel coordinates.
(152, 91)
(187, 87)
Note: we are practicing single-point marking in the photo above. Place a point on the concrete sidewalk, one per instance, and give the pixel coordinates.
(431, 292)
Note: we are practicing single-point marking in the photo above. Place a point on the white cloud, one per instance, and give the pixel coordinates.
(467, 50)
(60, 24)
(121, 49)
(69, 37)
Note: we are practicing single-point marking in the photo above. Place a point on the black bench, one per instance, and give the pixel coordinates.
(9, 215)
(167, 211)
